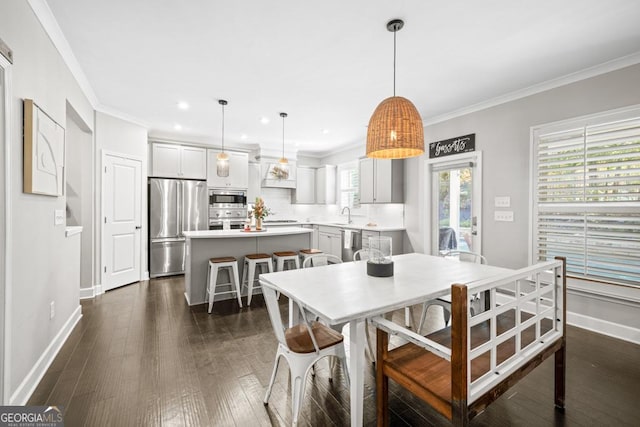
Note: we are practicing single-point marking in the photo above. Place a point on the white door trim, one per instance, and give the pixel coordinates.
(100, 288)
(473, 156)
(5, 247)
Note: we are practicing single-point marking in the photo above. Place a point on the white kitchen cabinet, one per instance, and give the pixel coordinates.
(178, 161)
(330, 240)
(305, 191)
(381, 181)
(326, 185)
(238, 170)
(253, 190)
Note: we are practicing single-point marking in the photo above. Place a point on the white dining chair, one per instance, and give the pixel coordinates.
(445, 302)
(320, 260)
(302, 345)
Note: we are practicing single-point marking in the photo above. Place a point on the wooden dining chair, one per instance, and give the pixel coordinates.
(301, 345)
(461, 369)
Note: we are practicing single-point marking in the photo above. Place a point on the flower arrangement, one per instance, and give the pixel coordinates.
(260, 211)
(279, 172)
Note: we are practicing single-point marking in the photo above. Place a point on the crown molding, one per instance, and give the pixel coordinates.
(101, 108)
(52, 29)
(596, 70)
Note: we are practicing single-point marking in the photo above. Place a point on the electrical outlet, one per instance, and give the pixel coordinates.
(506, 216)
(502, 202)
(52, 310)
(58, 217)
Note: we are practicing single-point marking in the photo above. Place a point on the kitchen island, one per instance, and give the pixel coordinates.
(203, 245)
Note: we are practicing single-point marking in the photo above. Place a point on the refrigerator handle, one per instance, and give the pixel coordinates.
(179, 191)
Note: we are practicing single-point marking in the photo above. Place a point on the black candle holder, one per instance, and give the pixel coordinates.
(383, 269)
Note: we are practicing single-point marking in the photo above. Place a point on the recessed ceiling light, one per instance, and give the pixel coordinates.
(243, 136)
(264, 120)
(183, 105)
(177, 127)
(325, 131)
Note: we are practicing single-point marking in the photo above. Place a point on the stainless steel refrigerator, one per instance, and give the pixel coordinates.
(175, 206)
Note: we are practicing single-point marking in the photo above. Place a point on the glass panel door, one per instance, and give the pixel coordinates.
(455, 201)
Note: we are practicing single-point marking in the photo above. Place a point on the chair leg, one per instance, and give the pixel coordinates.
(245, 267)
(560, 376)
(236, 282)
(382, 381)
(273, 378)
(343, 359)
(369, 349)
(298, 381)
(252, 272)
(213, 279)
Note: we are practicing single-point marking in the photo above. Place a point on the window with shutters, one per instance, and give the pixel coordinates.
(349, 176)
(586, 186)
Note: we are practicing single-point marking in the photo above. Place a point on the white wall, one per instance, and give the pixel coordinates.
(503, 135)
(115, 135)
(41, 256)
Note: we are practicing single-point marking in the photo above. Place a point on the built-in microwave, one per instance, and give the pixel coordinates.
(224, 199)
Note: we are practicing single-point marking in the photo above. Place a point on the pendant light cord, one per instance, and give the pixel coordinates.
(394, 62)
(223, 128)
(283, 137)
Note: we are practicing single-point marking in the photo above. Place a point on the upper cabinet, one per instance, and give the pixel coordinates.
(326, 185)
(238, 170)
(178, 161)
(305, 191)
(381, 181)
(316, 185)
(253, 190)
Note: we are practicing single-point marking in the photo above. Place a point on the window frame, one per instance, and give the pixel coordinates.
(349, 166)
(592, 120)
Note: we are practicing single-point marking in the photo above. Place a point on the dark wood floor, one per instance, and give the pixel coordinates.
(140, 356)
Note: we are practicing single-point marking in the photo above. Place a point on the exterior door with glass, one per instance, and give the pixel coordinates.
(455, 197)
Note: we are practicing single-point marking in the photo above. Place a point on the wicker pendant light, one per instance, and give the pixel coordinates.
(222, 161)
(284, 163)
(395, 128)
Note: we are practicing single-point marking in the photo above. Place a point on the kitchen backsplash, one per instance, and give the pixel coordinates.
(279, 201)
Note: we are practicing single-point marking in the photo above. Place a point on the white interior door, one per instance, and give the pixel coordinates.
(121, 187)
(456, 202)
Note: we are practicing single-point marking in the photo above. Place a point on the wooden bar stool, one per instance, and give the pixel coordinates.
(282, 258)
(306, 253)
(252, 261)
(215, 266)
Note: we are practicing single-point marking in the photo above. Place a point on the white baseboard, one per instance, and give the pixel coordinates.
(31, 381)
(604, 327)
(145, 276)
(97, 290)
(86, 293)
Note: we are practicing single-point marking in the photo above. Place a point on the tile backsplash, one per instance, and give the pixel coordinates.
(279, 201)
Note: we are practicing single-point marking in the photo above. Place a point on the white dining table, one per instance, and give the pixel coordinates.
(340, 293)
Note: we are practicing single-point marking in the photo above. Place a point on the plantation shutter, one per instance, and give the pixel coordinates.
(587, 199)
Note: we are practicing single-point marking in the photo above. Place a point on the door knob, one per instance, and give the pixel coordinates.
(138, 227)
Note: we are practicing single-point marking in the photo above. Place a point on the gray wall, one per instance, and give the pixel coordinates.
(503, 135)
(40, 253)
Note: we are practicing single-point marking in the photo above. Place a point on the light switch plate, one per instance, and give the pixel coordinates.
(502, 201)
(506, 216)
(58, 217)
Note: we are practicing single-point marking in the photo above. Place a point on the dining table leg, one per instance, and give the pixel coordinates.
(356, 369)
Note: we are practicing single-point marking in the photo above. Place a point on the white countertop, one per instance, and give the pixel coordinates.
(339, 225)
(217, 234)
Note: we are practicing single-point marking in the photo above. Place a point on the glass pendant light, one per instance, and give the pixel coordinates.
(283, 162)
(222, 162)
(395, 129)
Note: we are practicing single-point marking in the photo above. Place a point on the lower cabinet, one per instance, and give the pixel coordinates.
(330, 241)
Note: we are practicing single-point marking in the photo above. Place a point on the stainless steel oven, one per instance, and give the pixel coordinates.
(228, 205)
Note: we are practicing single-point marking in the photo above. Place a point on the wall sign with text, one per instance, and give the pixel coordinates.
(448, 147)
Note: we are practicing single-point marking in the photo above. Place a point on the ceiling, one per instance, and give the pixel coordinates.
(327, 63)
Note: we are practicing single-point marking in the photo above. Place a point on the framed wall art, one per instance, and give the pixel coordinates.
(43, 152)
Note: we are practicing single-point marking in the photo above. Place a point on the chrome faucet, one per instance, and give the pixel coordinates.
(348, 213)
